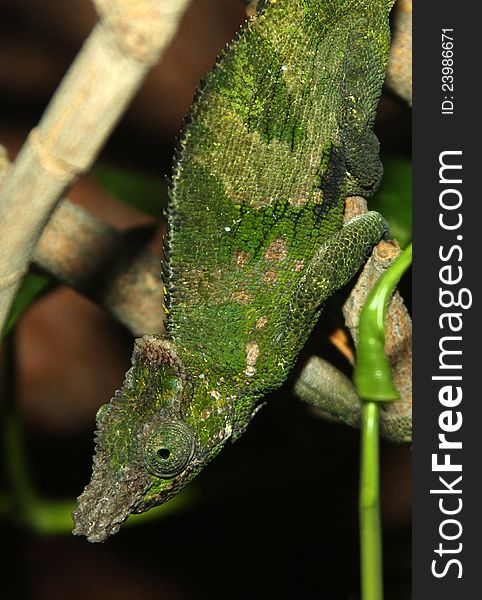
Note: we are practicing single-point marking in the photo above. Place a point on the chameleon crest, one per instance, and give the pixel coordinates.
(279, 135)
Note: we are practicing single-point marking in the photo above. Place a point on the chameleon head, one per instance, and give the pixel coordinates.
(151, 439)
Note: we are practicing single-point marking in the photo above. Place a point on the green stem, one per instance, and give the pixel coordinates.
(374, 383)
(369, 508)
(372, 375)
(17, 471)
(33, 286)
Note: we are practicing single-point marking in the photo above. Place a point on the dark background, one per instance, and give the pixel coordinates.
(435, 133)
(276, 514)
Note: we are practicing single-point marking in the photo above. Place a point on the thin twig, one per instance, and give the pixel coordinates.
(96, 90)
(112, 268)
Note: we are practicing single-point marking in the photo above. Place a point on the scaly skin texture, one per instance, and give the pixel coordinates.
(279, 135)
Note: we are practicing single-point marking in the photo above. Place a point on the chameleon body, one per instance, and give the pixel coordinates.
(279, 135)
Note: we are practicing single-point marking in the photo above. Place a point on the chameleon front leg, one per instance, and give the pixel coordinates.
(337, 261)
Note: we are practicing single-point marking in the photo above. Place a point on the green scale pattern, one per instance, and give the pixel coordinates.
(278, 136)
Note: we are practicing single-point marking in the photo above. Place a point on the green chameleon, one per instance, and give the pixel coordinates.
(279, 135)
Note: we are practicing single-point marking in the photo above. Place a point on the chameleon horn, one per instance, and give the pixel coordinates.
(108, 499)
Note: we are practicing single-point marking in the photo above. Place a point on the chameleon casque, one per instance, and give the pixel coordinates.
(279, 135)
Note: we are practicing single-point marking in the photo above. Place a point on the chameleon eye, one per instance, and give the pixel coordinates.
(168, 448)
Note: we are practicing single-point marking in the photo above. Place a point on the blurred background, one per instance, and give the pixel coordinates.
(275, 515)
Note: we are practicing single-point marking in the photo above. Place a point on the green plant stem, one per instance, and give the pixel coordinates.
(374, 383)
(370, 521)
(33, 286)
(18, 476)
(372, 375)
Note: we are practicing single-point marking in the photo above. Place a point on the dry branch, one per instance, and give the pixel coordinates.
(112, 268)
(93, 95)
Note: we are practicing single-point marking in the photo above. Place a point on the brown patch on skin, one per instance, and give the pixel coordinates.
(206, 413)
(299, 264)
(157, 352)
(252, 353)
(269, 276)
(241, 257)
(242, 297)
(261, 322)
(277, 250)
